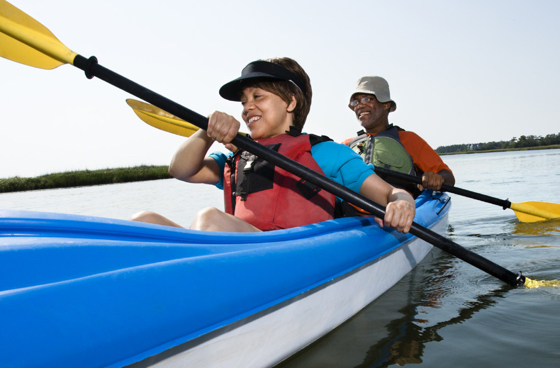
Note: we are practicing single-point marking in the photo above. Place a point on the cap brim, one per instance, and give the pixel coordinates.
(232, 90)
(259, 69)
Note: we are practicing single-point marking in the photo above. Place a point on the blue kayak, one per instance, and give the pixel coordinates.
(79, 291)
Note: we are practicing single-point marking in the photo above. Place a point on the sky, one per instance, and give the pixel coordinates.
(459, 71)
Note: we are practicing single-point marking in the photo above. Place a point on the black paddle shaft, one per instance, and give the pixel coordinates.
(92, 68)
(446, 188)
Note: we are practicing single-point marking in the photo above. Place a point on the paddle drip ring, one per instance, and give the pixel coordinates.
(90, 62)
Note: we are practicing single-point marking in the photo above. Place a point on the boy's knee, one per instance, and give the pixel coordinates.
(206, 218)
(143, 216)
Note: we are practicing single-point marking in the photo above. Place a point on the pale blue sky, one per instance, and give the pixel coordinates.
(460, 71)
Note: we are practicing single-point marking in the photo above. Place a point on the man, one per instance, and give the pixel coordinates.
(391, 147)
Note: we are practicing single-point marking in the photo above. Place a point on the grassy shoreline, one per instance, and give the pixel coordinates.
(82, 178)
(555, 146)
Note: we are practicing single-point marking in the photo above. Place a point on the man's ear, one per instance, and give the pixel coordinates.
(292, 105)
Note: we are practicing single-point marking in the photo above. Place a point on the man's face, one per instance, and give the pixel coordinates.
(370, 112)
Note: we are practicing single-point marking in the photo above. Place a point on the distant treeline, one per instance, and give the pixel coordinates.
(515, 143)
(84, 178)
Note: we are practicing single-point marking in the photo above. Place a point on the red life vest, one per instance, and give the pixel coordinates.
(271, 198)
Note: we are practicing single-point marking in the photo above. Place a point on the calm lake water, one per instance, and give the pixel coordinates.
(445, 312)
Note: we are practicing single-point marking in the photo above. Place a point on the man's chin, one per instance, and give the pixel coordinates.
(366, 124)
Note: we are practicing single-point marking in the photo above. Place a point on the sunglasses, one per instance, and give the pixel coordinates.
(362, 100)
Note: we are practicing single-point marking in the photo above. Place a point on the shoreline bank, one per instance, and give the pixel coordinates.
(83, 178)
(555, 146)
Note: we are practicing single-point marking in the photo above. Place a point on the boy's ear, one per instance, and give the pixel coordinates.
(292, 105)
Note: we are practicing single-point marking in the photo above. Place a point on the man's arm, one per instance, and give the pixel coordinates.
(435, 171)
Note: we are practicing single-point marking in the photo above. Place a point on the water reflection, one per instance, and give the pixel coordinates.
(550, 228)
(408, 347)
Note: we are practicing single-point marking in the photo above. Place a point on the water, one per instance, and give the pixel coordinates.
(176, 200)
(445, 312)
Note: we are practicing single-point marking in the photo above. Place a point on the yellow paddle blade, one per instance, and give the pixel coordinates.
(26, 41)
(533, 284)
(160, 119)
(536, 211)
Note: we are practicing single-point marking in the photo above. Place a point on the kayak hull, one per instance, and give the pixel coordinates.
(290, 326)
(90, 292)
